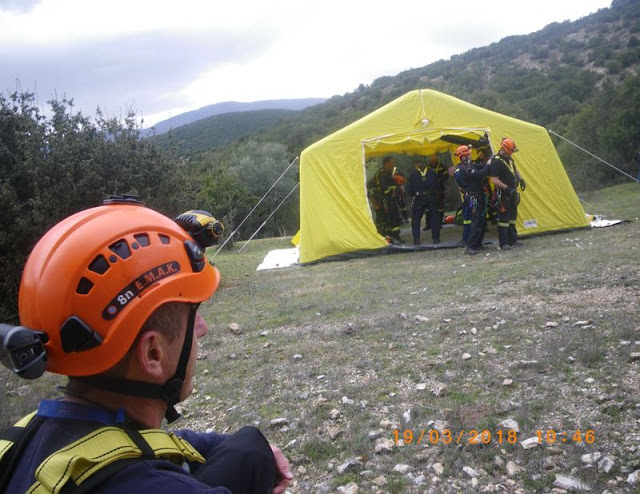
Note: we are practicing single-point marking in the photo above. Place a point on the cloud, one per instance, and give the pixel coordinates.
(21, 6)
(141, 70)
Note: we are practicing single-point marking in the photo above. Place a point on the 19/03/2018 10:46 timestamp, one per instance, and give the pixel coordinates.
(479, 437)
(551, 436)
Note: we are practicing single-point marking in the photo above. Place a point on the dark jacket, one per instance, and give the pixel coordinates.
(422, 182)
(474, 176)
(142, 477)
(504, 168)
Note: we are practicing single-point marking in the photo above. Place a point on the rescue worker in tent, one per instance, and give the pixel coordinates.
(109, 297)
(506, 179)
(442, 175)
(422, 187)
(400, 180)
(484, 156)
(475, 175)
(461, 179)
(386, 191)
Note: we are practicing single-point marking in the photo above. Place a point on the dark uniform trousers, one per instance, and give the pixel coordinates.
(478, 212)
(422, 202)
(507, 215)
(243, 463)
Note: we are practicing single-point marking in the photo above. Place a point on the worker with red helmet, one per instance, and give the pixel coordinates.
(506, 178)
(109, 298)
(475, 197)
(400, 180)
(460, 176)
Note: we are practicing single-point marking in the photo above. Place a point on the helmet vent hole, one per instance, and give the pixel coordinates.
(143, 239)
(120, 248)
(84, 286)
(99, 265)
(164, 238)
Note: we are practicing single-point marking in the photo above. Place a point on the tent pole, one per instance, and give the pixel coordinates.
(254, 208)
(593, 155)
(268, 217)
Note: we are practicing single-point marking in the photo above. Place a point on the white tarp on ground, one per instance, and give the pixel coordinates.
(600, 222)
(280, 258)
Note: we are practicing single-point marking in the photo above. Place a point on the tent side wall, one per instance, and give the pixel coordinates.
(334, 212)
(335, 217)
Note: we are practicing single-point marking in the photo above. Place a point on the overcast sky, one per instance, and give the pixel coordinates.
(162, 58)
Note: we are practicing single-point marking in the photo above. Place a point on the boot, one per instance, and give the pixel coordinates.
(503, 236)
(512, 235)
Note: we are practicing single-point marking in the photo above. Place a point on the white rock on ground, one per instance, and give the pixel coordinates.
(606, 464)
(470, 472)
(380, 481)
(513, 469)
(383, 446)
(350, 488)
(235, 328)
(570, 483)
(402, 468)
(509, 424)
(590, 458)
(530, 442)
(634, 478)
(280, 421)
(350, 465)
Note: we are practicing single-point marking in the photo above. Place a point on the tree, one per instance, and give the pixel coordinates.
(52, 167)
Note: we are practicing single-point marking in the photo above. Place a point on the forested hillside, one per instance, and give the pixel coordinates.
(229, 107)
(218, 131)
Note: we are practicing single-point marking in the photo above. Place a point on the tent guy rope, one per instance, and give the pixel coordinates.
(255, 207)
(268, 217)
(593, 155)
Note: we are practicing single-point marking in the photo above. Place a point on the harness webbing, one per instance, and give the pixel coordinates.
(77, 462)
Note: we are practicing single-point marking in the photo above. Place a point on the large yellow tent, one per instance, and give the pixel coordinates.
(335, 216)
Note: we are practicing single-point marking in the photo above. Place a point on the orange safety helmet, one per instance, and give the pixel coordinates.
(399, 179)
(508, 146)
(463, 151)
(92, 281)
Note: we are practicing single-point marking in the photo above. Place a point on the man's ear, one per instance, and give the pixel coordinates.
(151, 355)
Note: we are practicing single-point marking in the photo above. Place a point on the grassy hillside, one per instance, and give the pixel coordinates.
(348, 352)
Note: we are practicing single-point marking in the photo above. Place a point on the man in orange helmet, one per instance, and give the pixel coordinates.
(400, 180)
(474, 175)
(109, 297)
(506, 179)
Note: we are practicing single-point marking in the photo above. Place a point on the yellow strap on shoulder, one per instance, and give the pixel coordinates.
(6, 444)
(102, 447)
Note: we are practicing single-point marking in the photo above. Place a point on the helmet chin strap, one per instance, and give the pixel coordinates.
(169, 392)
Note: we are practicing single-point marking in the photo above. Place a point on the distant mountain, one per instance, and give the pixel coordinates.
(219, 130)
(229, 107)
